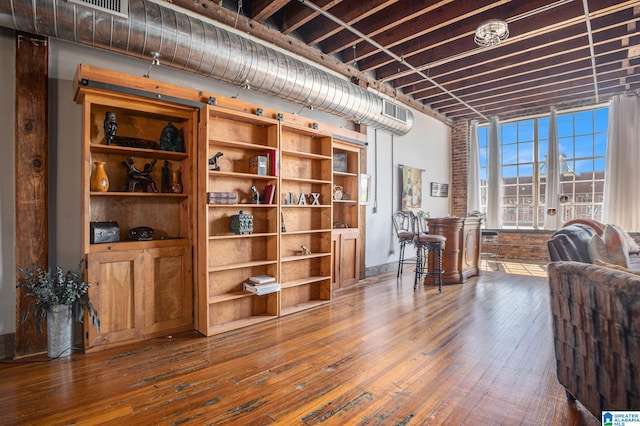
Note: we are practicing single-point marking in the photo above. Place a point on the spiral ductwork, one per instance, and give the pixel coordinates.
(191, 44)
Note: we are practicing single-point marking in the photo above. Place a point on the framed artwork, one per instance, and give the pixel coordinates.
(439, 189)
(411, 188)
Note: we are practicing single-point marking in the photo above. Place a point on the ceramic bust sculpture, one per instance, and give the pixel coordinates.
(170, 139)
(110, 126)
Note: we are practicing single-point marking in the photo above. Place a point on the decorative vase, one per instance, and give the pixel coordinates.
(176, 182)
(99, 180)
(59, 331)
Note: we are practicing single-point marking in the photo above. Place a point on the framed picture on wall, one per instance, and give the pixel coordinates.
(411, 188)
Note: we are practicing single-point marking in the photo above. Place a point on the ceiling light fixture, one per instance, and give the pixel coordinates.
(491, 32)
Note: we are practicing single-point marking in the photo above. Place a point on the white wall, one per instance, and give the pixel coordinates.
(428, 147)
(425, 147)
(7, 191)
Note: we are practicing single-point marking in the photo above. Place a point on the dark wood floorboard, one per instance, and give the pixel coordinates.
(480, 353)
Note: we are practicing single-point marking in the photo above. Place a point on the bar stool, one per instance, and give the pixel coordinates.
(404, 225)
(490, 245)
(426, 242)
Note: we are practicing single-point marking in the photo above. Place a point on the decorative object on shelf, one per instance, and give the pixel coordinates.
(337, 192)
(141, 233)
(302, 200)
(289, 199)
(315, 197)
(282, 227)
(340, 162)
(305, 251)
(346, 197)
(223, 197)
(99, 181)
(61, 298)
(104, 232)
(170, 139)
(242, 223)
(339, 225)
(255, 198)
(165, 177)
(258, 165)
(135, 142)
(137, 177)
(213, 162)
(110, 126)
(176, 182)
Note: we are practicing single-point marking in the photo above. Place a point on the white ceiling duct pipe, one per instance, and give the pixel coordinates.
(191, 44)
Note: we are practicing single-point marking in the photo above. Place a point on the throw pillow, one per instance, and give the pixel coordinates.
(599, 262)
(617, 245)
(610, 248)
(633, 245)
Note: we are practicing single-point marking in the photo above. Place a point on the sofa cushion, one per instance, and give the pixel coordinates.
(571, 243)
(632, 244)
(612, 247)
(615, 267)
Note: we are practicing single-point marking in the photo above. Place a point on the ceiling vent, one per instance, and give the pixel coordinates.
(393, 110)
(119, 8)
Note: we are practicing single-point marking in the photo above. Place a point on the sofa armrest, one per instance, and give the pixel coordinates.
(596, 329)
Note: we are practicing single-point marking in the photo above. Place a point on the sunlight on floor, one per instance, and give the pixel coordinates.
(517, 268)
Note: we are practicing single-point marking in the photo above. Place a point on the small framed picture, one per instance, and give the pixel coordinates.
(439, 189)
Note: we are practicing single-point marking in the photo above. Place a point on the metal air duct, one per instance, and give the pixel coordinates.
(198, 46)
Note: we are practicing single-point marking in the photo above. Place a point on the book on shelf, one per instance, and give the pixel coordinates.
(273, 162)
(261, 289)
(261, 279)
(269, 193)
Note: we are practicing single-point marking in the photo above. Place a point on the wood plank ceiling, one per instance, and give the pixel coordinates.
(546, 61)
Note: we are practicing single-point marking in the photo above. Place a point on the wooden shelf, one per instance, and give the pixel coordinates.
(244, 176)
(138, 152)
(227, 143)
(303, 180)
(137, 194)
(303, 154)
(305, 257)
(240, 323)
(242, 265)
(298, 307)
(232, 236)
(304, 281)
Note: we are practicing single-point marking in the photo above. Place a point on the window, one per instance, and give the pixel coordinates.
(582, 141)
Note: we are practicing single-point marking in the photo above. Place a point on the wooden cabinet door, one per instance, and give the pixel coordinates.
(168, 289)
(349, 257)
(116, 297)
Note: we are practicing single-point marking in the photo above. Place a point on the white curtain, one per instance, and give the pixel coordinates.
(553, 214)
(494, 196)
(473, 184)
(622, 175)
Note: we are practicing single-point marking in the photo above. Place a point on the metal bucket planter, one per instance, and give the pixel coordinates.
(59, 331)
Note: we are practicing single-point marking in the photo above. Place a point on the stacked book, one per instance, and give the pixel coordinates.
(223, 197)
(261, 284)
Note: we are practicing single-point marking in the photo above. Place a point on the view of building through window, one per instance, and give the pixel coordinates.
(582, 141)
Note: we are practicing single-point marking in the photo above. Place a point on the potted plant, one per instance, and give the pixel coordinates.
(61, 298)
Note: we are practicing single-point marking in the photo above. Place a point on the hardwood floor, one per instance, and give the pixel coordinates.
(479, 353)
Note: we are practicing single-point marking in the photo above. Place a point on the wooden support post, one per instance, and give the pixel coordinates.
(32, 237)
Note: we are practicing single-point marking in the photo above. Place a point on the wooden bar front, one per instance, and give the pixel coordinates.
(461, 255)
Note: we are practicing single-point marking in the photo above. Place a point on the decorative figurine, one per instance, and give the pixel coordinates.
(305, 251)
(213, 162)
(137, 177)
(165, 177)
(242, 223)
(110, 126)
(170, 139)
(256, 195)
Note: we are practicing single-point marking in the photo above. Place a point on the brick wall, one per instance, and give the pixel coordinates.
(459, 167)
(524, 245)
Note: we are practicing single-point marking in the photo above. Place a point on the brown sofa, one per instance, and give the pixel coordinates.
(596, 328)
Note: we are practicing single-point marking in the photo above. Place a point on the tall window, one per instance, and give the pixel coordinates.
(582, 139)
